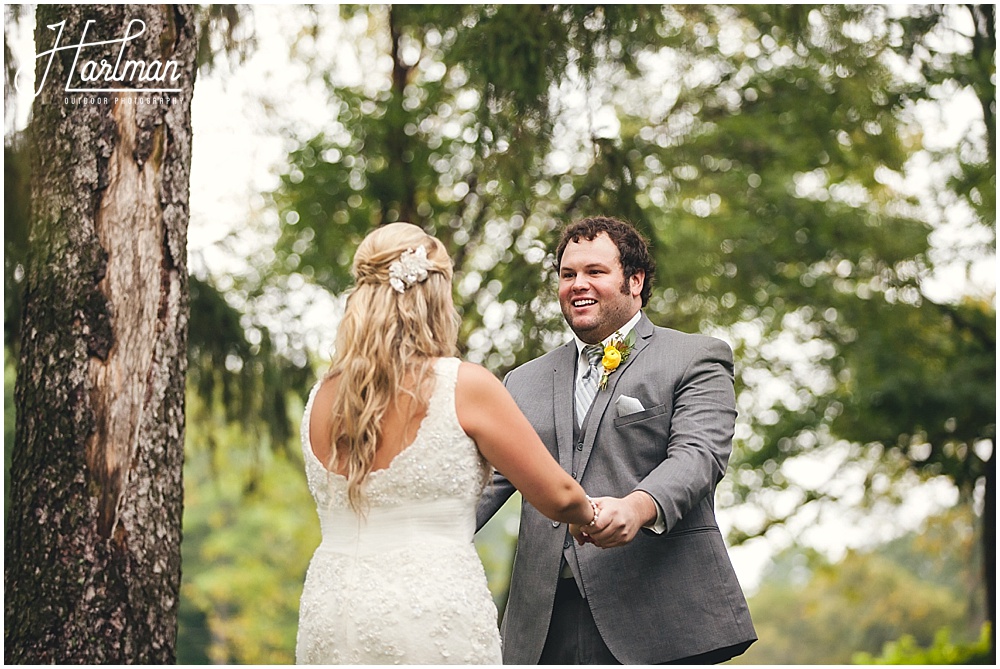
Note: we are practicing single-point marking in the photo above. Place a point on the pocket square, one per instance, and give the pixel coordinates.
(626, 405)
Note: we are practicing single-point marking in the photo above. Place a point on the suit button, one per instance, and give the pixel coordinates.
(579, 447)
(555, 523)
(574, 474)
(566, 545)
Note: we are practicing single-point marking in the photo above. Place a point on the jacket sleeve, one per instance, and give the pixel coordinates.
(699, 441)
(496, 493)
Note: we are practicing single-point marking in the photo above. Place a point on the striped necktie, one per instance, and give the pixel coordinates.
(586, 385)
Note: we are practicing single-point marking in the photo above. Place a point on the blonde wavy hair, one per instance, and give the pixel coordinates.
(385, 338)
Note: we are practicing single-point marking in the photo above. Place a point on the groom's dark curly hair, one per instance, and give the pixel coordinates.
(633, 249)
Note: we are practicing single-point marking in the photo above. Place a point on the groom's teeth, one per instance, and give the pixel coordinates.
(584, 303)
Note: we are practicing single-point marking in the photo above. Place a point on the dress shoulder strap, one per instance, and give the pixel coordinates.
(448, 368)
(443, 398)
(446, 371)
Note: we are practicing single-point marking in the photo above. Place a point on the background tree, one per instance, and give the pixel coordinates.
(234, 378)
(92, 545)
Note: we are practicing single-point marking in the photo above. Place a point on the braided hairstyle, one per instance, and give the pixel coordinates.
(386, 338)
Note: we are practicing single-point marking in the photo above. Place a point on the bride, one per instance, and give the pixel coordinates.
(398, 439)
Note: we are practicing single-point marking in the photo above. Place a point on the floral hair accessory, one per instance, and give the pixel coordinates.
(615, 353)
(411, 268)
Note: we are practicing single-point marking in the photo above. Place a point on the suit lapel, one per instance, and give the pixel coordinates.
(563, 384)
(644, 331)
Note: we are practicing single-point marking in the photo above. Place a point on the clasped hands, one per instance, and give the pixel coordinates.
(618, 522)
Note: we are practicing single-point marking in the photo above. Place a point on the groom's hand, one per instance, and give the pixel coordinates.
(621, 519)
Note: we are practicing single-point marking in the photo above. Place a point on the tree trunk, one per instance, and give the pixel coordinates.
(990, 547)
(397, 142)
(92, 546)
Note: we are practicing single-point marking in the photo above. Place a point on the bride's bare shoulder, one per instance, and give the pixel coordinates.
(479, 397)
(476, 378)
(326, 391)
(321, 415)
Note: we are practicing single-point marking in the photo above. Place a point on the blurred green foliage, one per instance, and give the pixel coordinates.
(942, 651)
(917, 591)
(249, 531)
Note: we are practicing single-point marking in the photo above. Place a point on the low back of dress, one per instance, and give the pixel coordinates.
(401, 584)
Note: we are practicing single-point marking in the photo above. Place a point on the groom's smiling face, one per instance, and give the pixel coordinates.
(594, 295)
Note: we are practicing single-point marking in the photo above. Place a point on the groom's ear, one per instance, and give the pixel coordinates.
(636, 282)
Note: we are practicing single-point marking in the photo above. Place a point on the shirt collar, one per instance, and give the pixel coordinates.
(622, 331)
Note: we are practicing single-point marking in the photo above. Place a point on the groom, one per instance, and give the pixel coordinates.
(650, 439)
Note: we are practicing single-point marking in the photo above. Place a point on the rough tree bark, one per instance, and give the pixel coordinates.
(92, 546)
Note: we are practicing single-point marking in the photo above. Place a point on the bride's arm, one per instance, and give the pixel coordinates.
(489, 415)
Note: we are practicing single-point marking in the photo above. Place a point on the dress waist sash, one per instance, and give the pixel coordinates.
(381, 529)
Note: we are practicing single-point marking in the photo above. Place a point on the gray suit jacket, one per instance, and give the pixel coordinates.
(661, 597)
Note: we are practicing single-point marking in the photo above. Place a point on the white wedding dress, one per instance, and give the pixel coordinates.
(403, 584)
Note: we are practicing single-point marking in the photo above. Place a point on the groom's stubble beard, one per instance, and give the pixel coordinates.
(611, 317)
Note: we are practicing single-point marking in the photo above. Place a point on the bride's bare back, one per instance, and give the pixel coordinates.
(399, 424)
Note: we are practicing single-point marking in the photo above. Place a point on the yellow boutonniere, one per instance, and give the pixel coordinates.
(615, 353)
